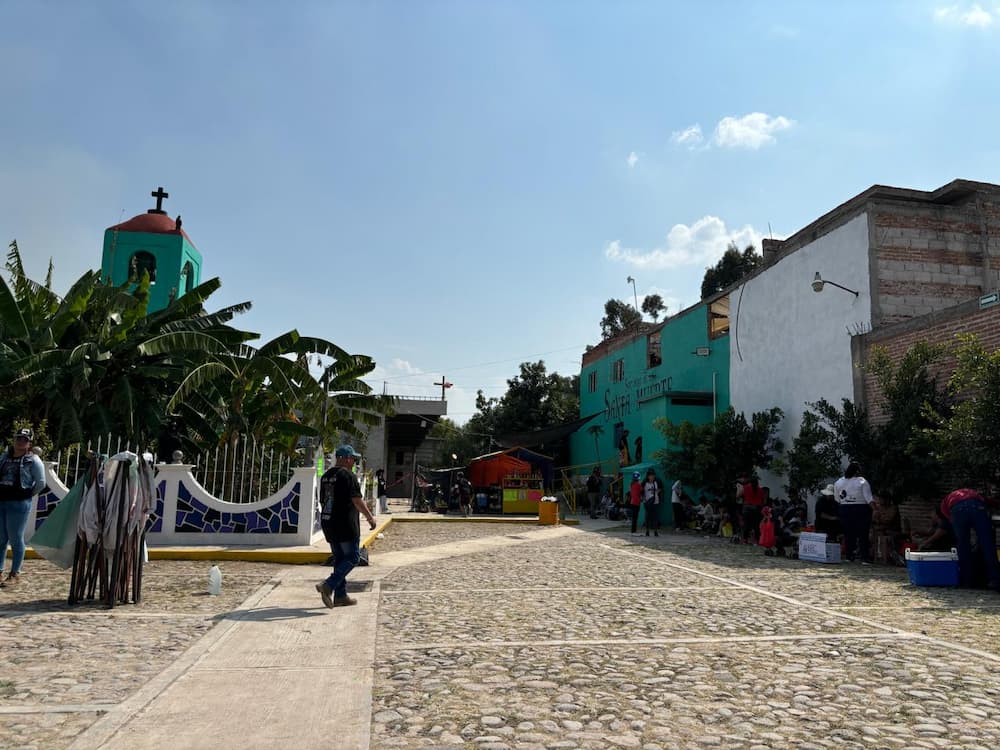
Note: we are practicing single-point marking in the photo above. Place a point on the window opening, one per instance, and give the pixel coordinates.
(142, 261)
(718, 318)
(618, 371)
(654, 354)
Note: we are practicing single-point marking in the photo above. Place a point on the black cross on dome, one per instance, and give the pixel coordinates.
(159, 194)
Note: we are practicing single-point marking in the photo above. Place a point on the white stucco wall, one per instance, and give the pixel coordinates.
(790, 345)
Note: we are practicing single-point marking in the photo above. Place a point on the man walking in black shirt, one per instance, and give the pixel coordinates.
(341, 503)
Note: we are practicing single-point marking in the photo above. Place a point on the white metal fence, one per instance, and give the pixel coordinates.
(245, 473)
(72, 462)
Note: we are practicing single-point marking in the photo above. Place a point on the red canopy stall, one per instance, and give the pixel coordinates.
(517, 473)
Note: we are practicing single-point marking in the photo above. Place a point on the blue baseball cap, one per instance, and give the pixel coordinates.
(347, 451)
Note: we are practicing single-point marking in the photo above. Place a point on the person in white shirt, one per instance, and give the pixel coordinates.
(854, 494)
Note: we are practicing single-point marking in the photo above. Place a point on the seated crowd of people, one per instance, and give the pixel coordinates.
(868, 528)
(788, 518)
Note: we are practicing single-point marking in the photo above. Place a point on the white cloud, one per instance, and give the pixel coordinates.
(401, 366)
(750, 131)
(974, 15)
(690, 137)
(632, 159)
(700, 244)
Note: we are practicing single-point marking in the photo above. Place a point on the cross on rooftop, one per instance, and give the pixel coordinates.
(159, 194)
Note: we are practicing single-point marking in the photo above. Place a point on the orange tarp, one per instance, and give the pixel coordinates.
(489, 470)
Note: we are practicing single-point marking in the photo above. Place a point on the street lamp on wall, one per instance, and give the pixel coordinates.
(819, 282)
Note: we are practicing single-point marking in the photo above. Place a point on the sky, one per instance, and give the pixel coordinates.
(456, 187)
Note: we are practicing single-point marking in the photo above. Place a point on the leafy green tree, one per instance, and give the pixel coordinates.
(652, 305)
(619, 317)
(853, 436)
(535, 399)
(94, 362)
(268, 393)
(814, 458)
(714, 455)
(458, 445)
(897, 456)
(907, 464)
(969, 438)
(731, 267)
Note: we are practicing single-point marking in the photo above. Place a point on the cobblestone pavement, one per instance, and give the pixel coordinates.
(592, 639)
(63, 666)
(413, 534)
(603, 640)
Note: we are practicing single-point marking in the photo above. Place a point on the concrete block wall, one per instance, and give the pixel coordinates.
(936, 328)
(929, 257)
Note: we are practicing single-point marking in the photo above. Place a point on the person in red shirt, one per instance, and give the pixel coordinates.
(635, 500)
(967, 512)
(753, 501)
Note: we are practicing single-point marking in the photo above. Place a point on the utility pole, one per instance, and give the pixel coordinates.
(635, 296)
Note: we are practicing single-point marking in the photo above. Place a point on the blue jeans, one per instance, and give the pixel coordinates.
(346, 556)
(13, 522)
(966, 517)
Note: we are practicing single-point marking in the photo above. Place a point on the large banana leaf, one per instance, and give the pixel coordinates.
(11, 320)
(195, 379)
(169, 343)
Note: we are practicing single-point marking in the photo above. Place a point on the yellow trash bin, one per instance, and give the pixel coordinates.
(548, 513)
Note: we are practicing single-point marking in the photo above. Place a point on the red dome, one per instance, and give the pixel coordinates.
(151, 223)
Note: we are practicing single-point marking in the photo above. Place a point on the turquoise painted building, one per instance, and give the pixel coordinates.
(677, 369)
(154, 243)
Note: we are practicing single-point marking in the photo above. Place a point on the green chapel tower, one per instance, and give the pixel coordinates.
(155, 243)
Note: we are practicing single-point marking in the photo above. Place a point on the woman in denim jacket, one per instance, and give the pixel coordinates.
(22, 476)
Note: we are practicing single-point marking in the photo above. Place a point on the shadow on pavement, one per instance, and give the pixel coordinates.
(272, 614)
(16, 609)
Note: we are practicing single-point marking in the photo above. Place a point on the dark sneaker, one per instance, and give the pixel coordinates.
(325, 592)
(12, 579)
(344, 601)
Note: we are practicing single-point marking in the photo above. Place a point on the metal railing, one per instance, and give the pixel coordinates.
(245, 473)
(72, 462)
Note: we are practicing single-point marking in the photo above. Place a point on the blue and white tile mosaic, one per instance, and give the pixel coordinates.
(282, 517)
(155, 522)
(45, 503)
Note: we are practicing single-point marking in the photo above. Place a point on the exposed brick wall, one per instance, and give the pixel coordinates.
(930, 257)
(937, 328)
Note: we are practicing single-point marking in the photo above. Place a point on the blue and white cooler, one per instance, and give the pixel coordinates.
(932, 568)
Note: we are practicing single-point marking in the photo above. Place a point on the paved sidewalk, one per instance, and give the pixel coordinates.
(281, 668)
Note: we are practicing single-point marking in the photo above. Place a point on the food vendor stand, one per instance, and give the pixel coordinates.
(519, 475)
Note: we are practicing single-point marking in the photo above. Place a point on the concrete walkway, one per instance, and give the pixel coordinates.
(282, 667)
